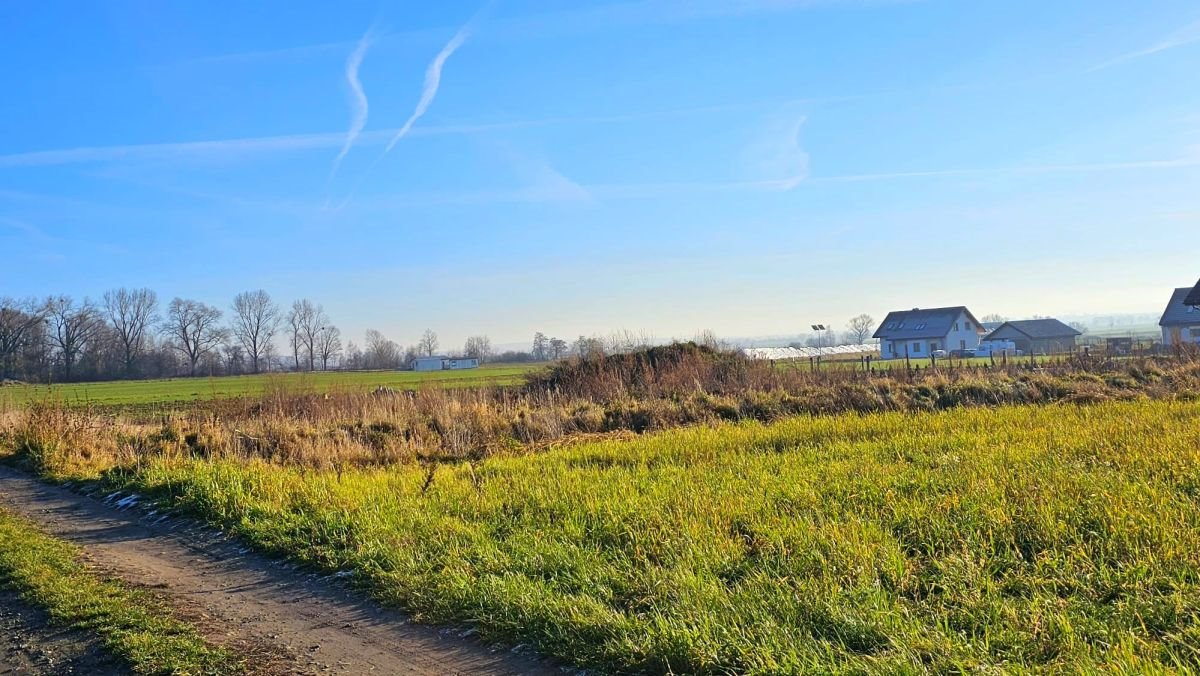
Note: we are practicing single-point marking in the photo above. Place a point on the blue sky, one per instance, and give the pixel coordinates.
(749, 167)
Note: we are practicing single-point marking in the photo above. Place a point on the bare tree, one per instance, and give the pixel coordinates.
(478, 347)
(19, 319)
(329, 344)
(194, 329)
(130, 312)
(381, 353)
(294, 321)
(304, 322)
(255, 321)
(586, 348)
(861, 328)
(408, 355)
(71, 328)
(235, 359)
(541, 346)
(428, 343)
(558, 348)
(352, 356)
(310, 328)
(993, 318)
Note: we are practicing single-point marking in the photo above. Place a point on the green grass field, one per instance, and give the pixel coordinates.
(1052, 538)
(173, 390)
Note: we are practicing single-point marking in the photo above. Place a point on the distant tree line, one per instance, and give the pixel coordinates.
(128, 333)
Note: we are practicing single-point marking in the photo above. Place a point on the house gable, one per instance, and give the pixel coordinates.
(1178, 313)
(1193, 298)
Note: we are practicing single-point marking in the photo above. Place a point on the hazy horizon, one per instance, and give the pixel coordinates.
(501, 168)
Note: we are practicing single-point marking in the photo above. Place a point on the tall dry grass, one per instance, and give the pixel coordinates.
(656, 389)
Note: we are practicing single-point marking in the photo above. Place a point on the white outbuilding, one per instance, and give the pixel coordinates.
(444, 363)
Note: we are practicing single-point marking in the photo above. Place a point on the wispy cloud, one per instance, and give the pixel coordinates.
(433, 79)
(1184, 36)
(217, 150)
(776, 158)
(543, 182)
(23, 227)
(1190, 158)
(358, 100)
(49, 248)
(228, 149)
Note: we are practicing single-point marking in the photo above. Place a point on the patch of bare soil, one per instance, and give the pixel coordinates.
(29, 644)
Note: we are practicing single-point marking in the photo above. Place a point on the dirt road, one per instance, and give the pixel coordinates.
(29, 645)
(313, 626)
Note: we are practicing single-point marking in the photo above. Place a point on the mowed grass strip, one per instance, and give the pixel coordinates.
(47, 573)
(1023, 538)
(176, 390)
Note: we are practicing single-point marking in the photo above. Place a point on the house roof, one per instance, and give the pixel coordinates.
(1033, 329)
(1193, 298)
(435, 356)
(1178, 313)
(921, 323)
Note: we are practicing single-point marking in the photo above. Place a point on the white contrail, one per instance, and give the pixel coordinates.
(1187, 35)
(359, 103)
(433, 78)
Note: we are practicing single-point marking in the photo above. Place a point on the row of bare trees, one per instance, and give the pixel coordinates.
(127, 334)
(379, 352)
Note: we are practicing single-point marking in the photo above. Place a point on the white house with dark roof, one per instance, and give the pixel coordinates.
(919, 332)
(1181, 320)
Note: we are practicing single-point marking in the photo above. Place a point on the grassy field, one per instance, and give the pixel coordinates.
(1060, 537)
(174, 390)
(47, 573)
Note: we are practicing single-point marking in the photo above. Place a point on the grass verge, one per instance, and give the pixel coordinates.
(47, 573)
(1052, 538)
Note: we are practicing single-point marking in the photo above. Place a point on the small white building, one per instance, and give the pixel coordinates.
(444, 363)
(1181, 320)
(918, 333)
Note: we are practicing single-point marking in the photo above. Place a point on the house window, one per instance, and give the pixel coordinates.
(916, 348)
(920, 326)
(962, 344)
(967, 325)
(955, 326)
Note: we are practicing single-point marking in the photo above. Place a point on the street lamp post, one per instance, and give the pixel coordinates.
(820, 329)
